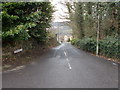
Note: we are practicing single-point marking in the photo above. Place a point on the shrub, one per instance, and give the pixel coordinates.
(74, 41)
(108, 46)
(25, 20)
(88, 44)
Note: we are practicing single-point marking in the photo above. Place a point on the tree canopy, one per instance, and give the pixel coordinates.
(84, 18)
(24, 20)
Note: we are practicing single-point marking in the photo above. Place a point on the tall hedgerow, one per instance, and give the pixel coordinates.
(24, 20)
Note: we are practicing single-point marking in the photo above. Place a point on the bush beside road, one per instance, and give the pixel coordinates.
(108, 47)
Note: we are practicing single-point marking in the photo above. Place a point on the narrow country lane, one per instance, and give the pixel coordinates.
(64, 67)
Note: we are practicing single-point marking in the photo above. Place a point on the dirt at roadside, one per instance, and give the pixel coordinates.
(22, 58)
(11, 60)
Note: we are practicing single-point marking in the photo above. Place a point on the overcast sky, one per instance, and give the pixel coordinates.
(60, 10)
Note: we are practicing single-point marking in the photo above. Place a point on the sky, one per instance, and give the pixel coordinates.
(60, 10)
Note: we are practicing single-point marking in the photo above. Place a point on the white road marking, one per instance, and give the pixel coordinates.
(114, 64)
(65, 53)
(69, 64)
(58, 47)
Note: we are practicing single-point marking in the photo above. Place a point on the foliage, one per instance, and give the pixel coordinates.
(24, 20)
(96, 21)
(74, 41)
(84, 20)
(108, 46)
(87, 44)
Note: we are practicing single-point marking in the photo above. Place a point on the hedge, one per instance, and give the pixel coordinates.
(25, 20)
(108, 47)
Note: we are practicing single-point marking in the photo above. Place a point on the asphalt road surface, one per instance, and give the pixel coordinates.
(64, 67)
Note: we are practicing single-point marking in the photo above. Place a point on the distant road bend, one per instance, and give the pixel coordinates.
(64, 67)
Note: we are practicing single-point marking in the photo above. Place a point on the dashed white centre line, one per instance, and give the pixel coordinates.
(68, 61)
(69, 64)
(65, 53)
